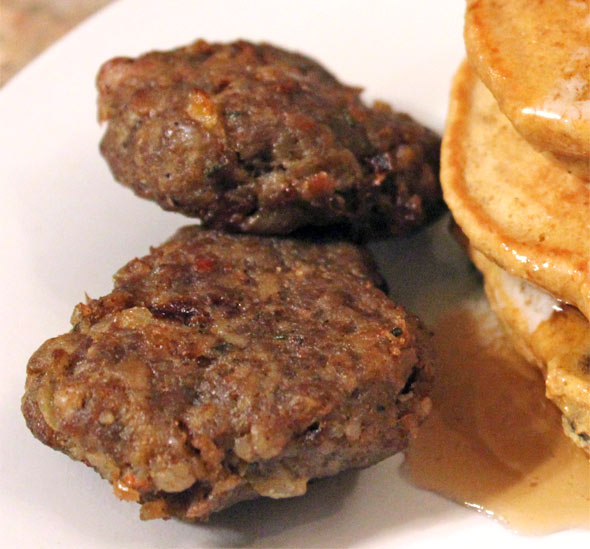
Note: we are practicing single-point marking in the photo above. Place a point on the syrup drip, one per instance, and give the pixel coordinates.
(493, 442)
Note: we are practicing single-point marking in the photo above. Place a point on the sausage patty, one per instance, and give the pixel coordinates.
(252, 138)
(223, 367)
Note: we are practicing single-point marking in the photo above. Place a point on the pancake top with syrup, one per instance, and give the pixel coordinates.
(535, 58)
(514, 204)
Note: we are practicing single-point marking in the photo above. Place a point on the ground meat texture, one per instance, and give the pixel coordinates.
(224, 367)
(252, 138)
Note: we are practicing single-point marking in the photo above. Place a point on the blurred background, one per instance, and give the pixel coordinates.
(27, 27)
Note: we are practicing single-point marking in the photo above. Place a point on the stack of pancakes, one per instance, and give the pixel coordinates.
(515, 171)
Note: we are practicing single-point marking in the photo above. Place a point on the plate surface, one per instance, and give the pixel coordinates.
(67, 227)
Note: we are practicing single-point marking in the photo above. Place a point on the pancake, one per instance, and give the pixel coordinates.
(579, 167)
(535, 58)
(514, 205)
(553, 336)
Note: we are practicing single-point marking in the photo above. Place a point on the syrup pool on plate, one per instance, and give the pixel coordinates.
(493, 442)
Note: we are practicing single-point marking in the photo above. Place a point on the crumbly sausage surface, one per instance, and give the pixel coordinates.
(223, 367)
(252, 138)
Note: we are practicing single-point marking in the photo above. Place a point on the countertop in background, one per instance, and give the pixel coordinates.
(27, 27)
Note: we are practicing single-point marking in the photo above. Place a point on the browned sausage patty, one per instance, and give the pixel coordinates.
(223, 367)
(253, 138)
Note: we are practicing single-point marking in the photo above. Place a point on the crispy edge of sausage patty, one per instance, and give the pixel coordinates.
(225, 367)
(253, 138)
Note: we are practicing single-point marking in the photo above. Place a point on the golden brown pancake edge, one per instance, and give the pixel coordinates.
(513, 204)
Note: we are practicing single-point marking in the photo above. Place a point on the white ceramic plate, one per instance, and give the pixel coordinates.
(66, 227)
